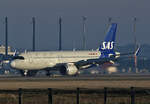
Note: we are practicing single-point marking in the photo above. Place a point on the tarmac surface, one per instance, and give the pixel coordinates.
(63, 82)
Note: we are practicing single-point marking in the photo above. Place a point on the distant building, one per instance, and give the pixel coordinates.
(2, 50)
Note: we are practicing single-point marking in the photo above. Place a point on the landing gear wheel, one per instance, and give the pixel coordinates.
(22, 73)
(48, 73)
(76, 75)
(31, 73)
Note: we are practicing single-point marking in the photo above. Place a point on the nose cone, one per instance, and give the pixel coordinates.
(13, 64)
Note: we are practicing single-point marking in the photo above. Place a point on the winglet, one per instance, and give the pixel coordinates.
(137, 51)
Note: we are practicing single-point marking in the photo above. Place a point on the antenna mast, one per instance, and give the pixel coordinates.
(84, 32)
(6, 36)
(60, 33)
(33, 27)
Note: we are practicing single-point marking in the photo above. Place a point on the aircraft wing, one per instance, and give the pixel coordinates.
(111, 59)
(98, 61)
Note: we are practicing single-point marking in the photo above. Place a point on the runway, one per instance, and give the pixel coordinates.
(114, 77)
(65, 82)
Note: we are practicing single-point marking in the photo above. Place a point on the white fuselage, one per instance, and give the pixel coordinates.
(41, 60)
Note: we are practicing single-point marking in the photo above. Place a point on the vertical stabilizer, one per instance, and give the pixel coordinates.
(107, 46)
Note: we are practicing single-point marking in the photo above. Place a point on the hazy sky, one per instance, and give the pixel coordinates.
(20, 12)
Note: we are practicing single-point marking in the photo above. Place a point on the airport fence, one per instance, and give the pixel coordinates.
(107, 95)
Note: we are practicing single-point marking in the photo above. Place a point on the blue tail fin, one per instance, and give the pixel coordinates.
(107, 47)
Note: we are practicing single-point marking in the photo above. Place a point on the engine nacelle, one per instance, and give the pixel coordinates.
(70, 69)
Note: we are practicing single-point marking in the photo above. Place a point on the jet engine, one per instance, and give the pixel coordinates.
(69, 69)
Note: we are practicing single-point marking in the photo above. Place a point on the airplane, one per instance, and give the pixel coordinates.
(67, 62)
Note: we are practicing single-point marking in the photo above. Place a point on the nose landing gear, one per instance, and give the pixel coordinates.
(27, 73)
